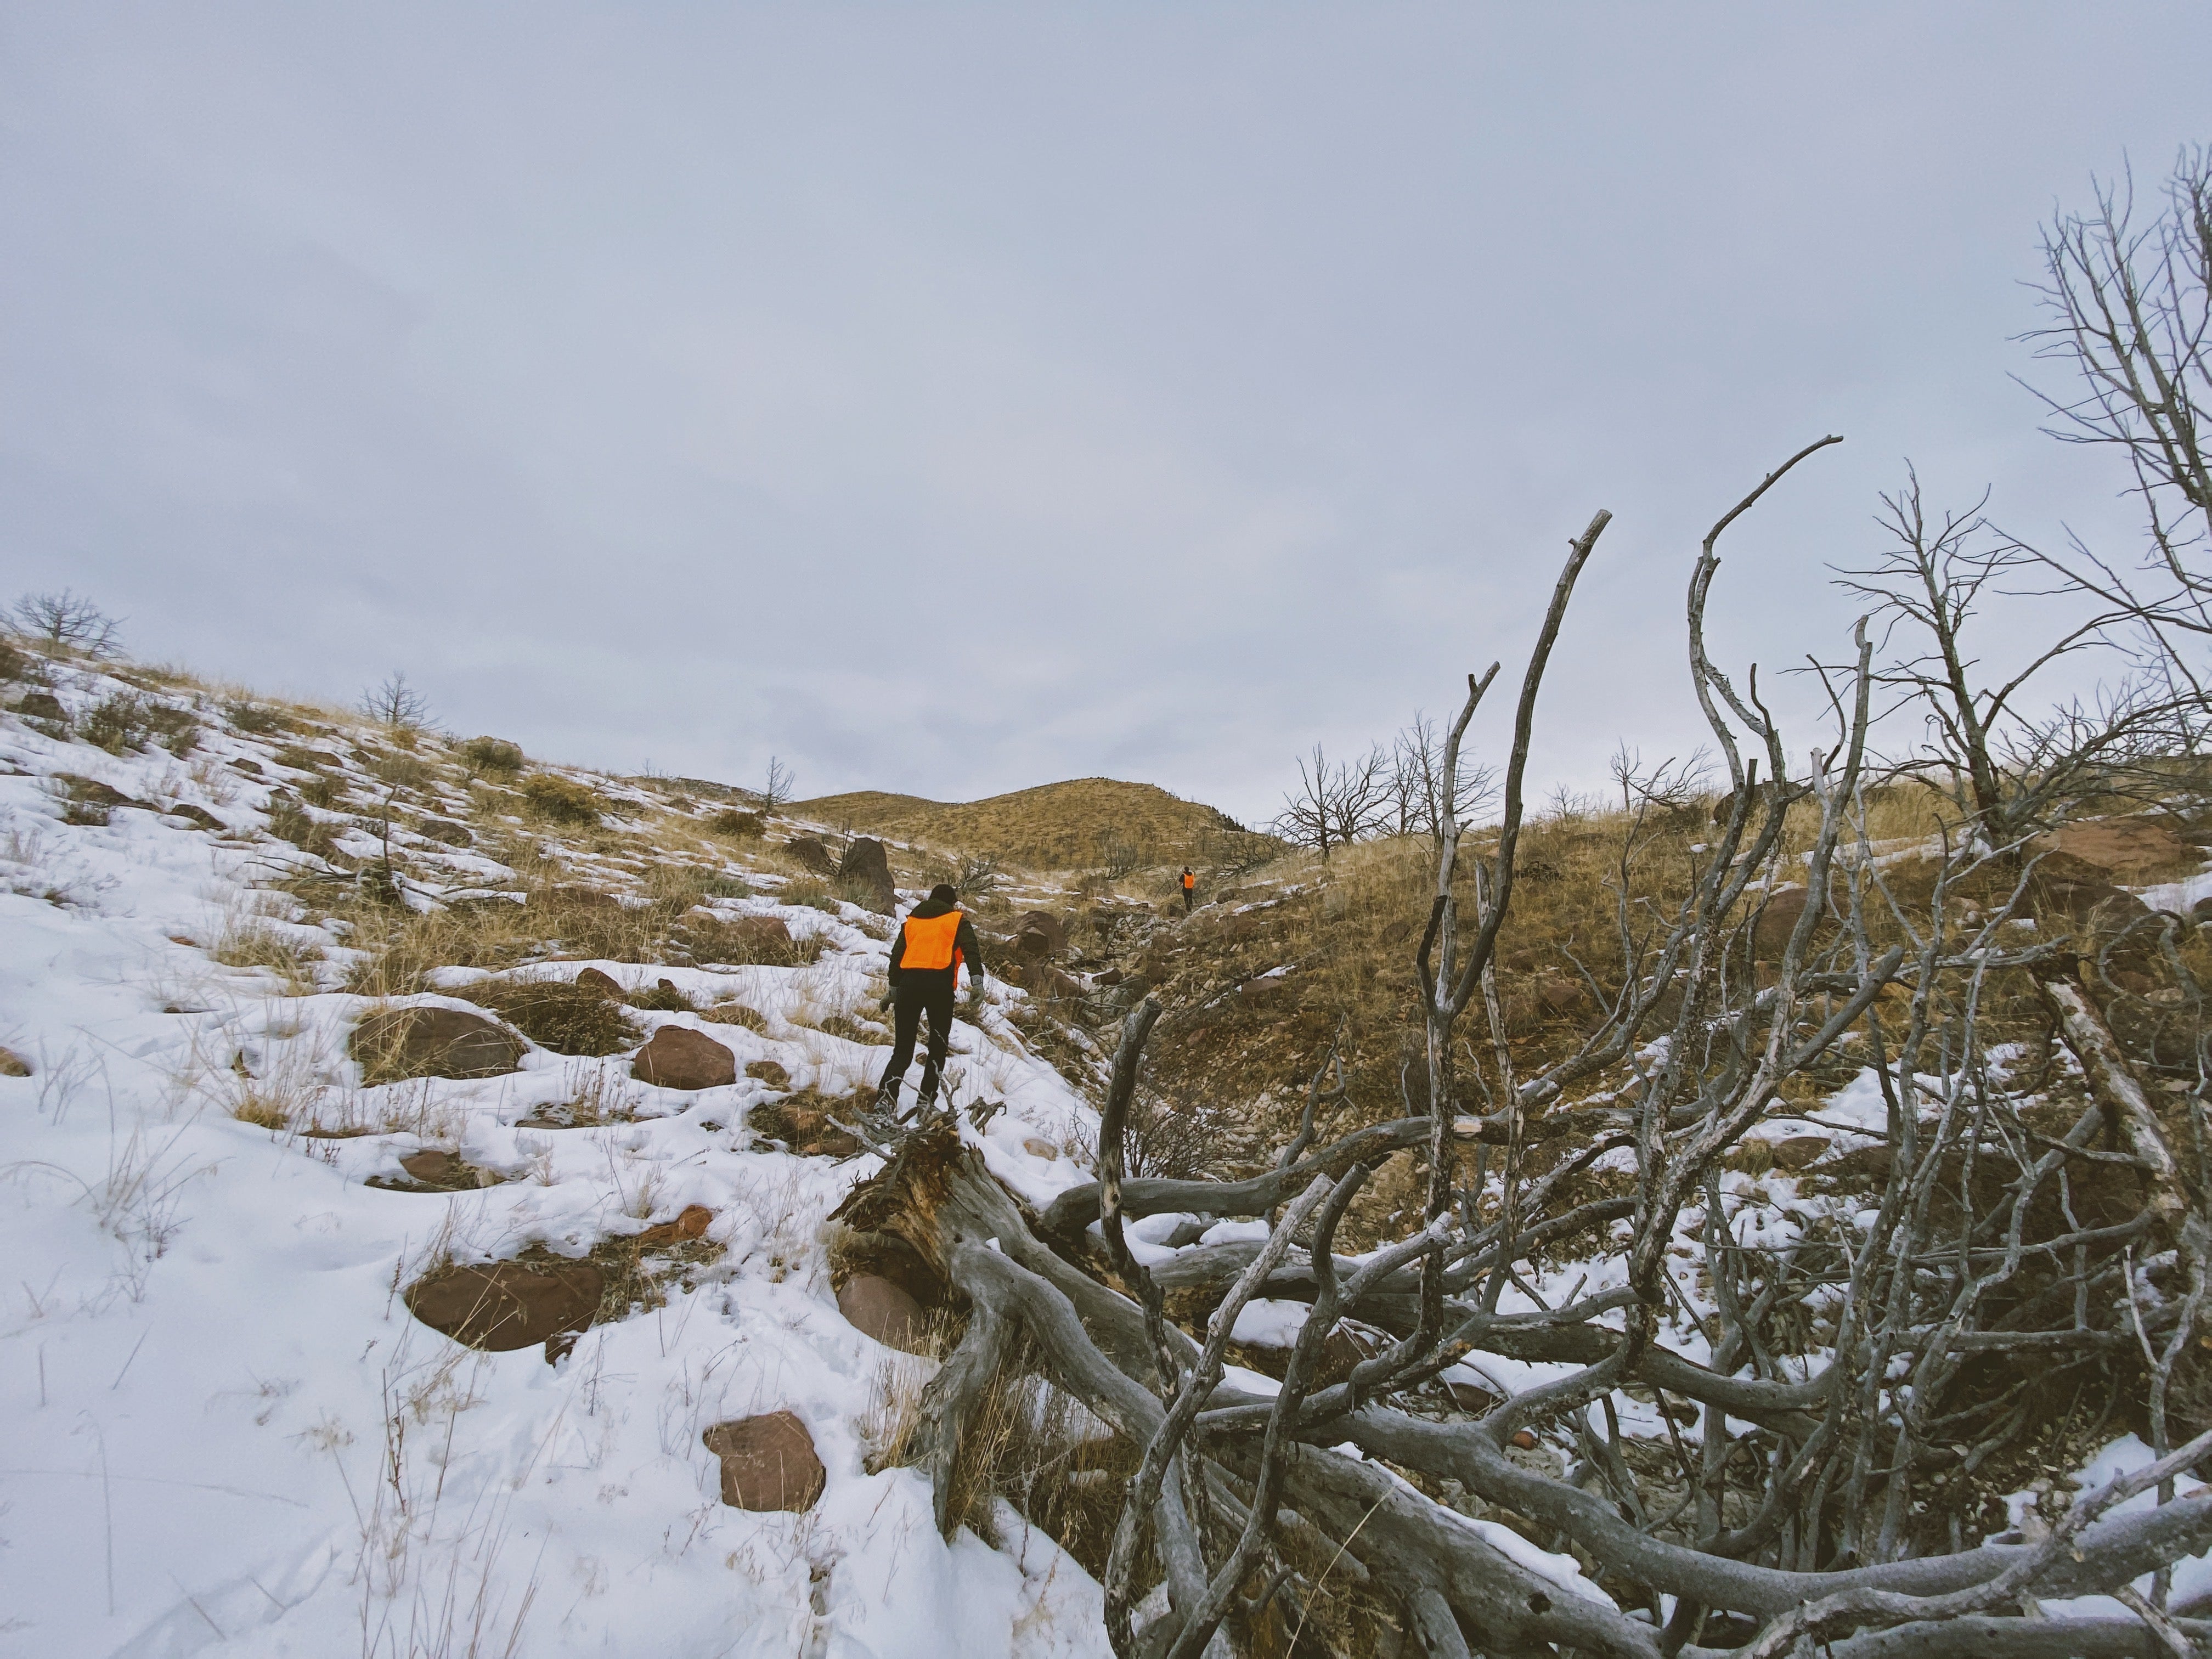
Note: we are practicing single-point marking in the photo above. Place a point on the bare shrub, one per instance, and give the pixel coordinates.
(493, 757)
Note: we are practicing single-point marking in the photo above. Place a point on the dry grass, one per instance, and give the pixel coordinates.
(248, 940)
(736, 1013)
(557, 1014)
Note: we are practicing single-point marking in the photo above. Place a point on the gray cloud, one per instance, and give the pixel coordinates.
(955, 398)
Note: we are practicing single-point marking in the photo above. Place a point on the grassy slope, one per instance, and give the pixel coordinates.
(1054, 826)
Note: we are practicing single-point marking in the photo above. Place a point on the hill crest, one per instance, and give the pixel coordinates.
(1076, 823)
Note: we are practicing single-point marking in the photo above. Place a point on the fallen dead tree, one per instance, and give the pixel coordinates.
(1839, 1389)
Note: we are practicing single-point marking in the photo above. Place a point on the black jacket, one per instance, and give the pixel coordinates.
(964, 942)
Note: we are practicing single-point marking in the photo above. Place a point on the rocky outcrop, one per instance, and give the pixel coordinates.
(405, 1043)
(501, 1305)
(768, 1462)
(865, 875)
(1039, 936)
(769, 1071)
(678, 1057)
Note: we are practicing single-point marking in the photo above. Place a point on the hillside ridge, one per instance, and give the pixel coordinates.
(1075, 821)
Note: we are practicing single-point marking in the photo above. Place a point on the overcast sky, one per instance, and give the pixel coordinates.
(953, 399)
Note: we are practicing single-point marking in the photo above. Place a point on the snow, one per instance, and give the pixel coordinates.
(1266, 1324)
(221, 1432)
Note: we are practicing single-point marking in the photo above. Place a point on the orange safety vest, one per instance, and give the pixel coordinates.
(929, 941)
(1189, 881)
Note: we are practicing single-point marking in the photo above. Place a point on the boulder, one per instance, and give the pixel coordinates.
(865, 874)
(1770, 934)
(1794, 1152)
(809, 854)
(1039, 936)
(598, 980)
(2137, 849)
(2070, 889)
(1043, 1149)
(41, 706)
(13, 1064)
(875, 1307)
(690, 1224)
(402, 1042)
(768, 1462)
(434, 1167)
(758, 932)
(501, 1305)
(769, 1071)
(678, 1057)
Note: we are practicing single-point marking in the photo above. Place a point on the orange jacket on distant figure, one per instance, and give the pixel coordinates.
(1189, 881)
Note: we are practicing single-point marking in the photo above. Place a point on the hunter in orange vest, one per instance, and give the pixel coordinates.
(927, 955)
(1189, 886)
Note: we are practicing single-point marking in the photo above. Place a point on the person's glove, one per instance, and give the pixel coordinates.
(889, 998)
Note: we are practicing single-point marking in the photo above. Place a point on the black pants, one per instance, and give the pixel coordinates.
(1186, 901)
(933, 996)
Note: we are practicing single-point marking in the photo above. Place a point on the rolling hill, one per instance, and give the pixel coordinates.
(1079, 822)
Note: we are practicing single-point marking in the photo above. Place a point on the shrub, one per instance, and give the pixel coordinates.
(300, 758)
(570, 1019)
(127, 720)
(494, 756)
(321, 792)
(562, 800)
(13, 664)
(811, 891)
(661, 998)
(738, 826)
(246, 715)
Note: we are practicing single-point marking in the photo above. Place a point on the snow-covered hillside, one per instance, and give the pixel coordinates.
(225, 1433)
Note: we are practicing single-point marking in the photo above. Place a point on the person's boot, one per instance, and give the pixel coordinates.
(881, 1114)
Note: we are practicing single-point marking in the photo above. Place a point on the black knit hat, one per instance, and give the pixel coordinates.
(943, 893)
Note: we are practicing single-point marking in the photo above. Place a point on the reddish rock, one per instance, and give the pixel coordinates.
(2135, 849)
(596, 979)
(507, 1304)
(691, 1224)
(875, 1307)
(768, 1462)
(678, 1057)
(768, 1072)
(13, 1064)
(402, 1042)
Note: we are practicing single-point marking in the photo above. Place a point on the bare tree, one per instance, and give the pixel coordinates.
(1827, 1396)
(68, 621)
(394, 704)
(2011, 765)
(1416, 782)
(2131, 312)
(777, 791)
(1336, 803)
